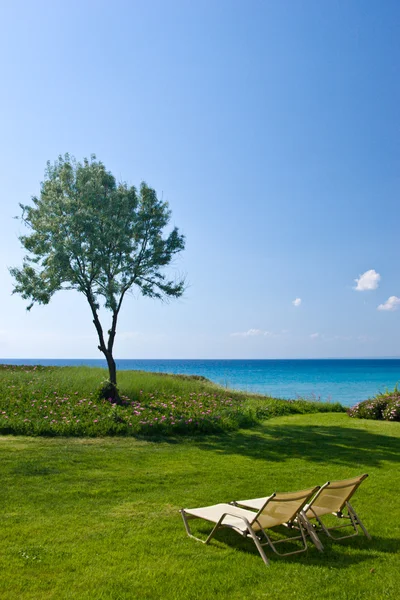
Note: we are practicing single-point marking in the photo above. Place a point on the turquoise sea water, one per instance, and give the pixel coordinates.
(339, 380)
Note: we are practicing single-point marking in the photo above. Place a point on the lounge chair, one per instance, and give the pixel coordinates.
(277, 509)
(333, 498)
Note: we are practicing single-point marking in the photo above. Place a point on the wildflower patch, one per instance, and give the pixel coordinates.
(383, 407)
(30, 407)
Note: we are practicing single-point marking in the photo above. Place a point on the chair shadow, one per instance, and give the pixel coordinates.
(378, 543)
(331, 558)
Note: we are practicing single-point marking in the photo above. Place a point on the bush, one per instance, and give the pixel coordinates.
(382, 407)
(107, 391)
(392, 411)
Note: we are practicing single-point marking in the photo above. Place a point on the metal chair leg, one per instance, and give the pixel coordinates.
(190, 534)
(220, 524)
(258, 546)
(311, 532)
(358, 520)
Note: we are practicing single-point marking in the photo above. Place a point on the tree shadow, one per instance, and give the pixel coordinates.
(313, 443)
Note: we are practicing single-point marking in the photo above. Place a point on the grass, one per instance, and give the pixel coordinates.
(97, 518)
(64, 401)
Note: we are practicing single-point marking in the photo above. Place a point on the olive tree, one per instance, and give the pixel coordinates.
(99, 237)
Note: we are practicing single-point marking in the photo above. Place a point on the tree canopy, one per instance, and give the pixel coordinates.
(99, 237)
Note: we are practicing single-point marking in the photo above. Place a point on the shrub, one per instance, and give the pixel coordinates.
(382, 407)
(108, 391)
(392, 411)
(369, 409)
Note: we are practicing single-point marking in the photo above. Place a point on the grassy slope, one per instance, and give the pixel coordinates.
(98, 518)
(64, 401)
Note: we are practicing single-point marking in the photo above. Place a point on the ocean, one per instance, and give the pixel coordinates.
(335, 380)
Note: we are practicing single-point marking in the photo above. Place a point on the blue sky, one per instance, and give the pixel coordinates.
(272, 128)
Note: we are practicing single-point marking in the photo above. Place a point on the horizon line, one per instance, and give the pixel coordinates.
(204, 359)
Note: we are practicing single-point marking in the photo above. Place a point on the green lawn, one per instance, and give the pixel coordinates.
(97, 518)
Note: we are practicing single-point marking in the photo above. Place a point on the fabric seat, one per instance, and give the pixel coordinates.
(333, 498)
(277, 509)
(214, 513)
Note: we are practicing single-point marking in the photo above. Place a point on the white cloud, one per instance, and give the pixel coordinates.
(330, 338)
(284, 333)
(296, 302)
(367, 281)
(251, 333)
(391, 303)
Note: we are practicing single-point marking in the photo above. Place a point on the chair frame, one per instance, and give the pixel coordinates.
(352, 516)
(302, 524)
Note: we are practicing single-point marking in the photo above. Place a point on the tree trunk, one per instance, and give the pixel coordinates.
(112, 390)
(112, 369)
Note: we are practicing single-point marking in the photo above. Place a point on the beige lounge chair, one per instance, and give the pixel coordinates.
(277, 509)
(333, 498)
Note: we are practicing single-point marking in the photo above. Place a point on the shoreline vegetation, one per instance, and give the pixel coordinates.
(67, 401)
